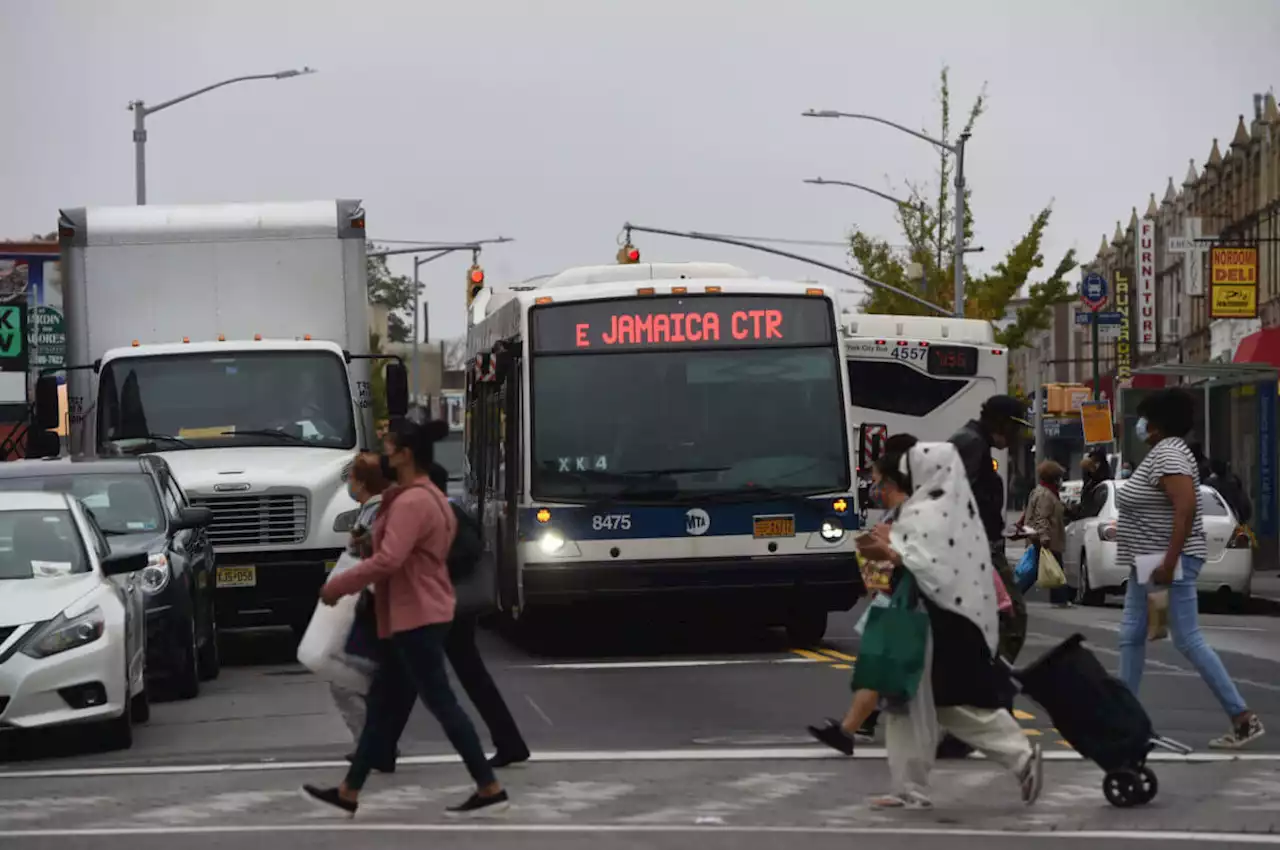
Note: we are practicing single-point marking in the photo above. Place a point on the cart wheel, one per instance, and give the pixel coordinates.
(1147, 785)
(1121, 788)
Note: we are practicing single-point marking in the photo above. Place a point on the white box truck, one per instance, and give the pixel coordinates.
(233, 339)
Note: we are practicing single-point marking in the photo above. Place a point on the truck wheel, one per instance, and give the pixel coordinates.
(210, 655)
(807, 628)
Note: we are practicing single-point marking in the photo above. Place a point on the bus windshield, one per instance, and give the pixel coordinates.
(667, 425)
(239, 398)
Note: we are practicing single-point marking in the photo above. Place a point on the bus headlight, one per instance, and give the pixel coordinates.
(831, 530)
(551, 542)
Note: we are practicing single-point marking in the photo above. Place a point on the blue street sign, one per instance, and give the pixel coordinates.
(1093, 290)
(1106, 317)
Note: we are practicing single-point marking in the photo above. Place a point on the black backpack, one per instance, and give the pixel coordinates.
(468, 545)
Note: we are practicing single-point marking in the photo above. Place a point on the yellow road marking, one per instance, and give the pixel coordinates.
(1063, 743)
(1032, 733)
(1019, 714)
(841, 667)
(840, 655)
(811, 655)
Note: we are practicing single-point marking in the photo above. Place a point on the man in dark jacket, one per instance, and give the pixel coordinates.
(1000, 425)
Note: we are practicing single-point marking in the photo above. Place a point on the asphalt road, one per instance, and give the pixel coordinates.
(645, 732)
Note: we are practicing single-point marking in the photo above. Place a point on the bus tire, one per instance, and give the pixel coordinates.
(807, 627)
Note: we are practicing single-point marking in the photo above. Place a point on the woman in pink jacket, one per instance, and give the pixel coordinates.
(414, 605)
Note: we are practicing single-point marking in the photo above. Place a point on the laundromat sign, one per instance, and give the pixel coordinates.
(47, 338)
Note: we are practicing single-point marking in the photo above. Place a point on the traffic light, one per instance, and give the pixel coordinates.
(628, 254)
(475, 282)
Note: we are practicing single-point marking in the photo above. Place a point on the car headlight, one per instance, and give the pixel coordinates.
(551, 542)
(155, 575)
(344, 522)
(63, 633)
(831, 529)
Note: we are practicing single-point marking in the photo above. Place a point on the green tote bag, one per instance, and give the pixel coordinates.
(891, 656)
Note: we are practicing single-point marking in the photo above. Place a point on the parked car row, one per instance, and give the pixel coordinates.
(106, 593)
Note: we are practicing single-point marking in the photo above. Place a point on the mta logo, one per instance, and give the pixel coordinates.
(697, 522)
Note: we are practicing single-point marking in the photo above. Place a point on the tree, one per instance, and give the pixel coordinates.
(929, 244)
(393, 291)
(377, 379)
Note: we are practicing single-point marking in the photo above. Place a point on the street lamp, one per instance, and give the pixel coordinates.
(958, 150)
(818, 181)
(141, 111)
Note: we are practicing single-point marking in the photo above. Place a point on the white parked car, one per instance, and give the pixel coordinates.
(72, 620)
(1091, 549)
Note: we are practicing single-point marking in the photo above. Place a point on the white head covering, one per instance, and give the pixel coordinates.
(941, 538)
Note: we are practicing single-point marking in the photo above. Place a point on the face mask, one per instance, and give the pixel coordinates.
(1140, 429)
(388, 471)
(876, 495)
(352, 494)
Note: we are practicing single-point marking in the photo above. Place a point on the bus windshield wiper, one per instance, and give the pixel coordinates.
(678, 470)
(166, 437)
(268, 432)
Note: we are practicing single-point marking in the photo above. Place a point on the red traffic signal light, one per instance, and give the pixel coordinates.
(628, 254)
(476, 275)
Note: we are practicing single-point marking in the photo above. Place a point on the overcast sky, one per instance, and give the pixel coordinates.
(555, 121)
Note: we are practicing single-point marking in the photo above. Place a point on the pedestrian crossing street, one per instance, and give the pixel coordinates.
(1034, 724)
(1229, 796)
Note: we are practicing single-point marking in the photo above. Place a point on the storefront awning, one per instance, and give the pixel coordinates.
(1260, 347)
(1219, 374)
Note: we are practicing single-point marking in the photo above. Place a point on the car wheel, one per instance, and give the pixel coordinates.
(210, 654)
(186, 680)
(807, 628)
(1086, 594)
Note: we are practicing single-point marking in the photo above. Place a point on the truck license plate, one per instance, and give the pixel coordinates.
(779, 525)
(237, 576)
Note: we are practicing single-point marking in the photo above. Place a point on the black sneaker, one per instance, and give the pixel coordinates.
(477, 806)
(833, 736)
(328, 797)
(385, 767)
(507, 758)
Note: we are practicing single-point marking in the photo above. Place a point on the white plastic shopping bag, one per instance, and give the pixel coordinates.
(323, 646)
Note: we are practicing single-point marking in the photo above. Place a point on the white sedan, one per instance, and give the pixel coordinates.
(72, 621)
(1091, 550)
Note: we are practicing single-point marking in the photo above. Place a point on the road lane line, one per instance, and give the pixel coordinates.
(707, 754)
(1019, 714)
(538, 709)
(834, 653)
(1019, 835)
(811, 655)
(658, 665)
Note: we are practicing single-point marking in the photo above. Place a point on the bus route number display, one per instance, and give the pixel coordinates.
(959, 360)
(686, 321)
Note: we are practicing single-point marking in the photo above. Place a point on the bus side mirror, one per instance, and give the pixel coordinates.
(46, 412)
(871, 443)
(397, 384)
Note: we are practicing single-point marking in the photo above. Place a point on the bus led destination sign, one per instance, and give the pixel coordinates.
(693, 321)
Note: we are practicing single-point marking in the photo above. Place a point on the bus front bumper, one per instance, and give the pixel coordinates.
(831, 581)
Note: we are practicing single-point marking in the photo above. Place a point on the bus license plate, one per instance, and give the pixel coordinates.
(237, 576)
(774, 526)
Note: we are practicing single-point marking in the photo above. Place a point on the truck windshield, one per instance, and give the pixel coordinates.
(208, 399)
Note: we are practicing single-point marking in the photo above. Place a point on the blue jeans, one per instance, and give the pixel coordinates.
(1184, 626)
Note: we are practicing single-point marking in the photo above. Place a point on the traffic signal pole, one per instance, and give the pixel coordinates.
(1093, 334)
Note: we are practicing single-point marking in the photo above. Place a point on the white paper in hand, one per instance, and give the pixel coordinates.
(1145, 565)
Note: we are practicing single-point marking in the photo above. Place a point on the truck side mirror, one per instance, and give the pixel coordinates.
(397, 389)
(46, 413)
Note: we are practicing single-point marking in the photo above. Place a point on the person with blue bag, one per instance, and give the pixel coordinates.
(931, 654)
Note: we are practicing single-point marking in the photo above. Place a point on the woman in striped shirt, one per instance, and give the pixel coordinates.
(1160, 517)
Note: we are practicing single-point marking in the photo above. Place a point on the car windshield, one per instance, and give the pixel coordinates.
(122, 503)
(267, 398)
(40, 544)
(688, 423)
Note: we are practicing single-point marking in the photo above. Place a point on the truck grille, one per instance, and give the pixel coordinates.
(256, 520)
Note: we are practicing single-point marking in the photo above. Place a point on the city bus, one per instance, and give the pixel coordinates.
(920, 375)
(664, 432)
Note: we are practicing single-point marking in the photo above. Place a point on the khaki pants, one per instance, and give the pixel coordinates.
(911, 736)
